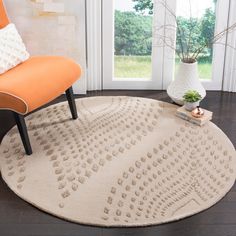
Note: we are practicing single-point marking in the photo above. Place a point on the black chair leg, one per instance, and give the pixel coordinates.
(71, 101)
(20, 121)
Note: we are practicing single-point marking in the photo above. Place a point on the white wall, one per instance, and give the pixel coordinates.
(52, 27)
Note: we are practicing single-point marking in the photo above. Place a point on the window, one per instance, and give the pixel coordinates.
(133, 41)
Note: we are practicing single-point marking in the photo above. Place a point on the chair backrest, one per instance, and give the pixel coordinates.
(3, 16)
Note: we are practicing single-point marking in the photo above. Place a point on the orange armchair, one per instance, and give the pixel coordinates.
(34, 83)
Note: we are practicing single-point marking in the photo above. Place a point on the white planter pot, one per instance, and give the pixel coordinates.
(190, 106)
(187, 78)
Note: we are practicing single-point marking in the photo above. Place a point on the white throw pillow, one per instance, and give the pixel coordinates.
(12, 48)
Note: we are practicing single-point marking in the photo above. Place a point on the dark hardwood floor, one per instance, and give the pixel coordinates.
(20, 218)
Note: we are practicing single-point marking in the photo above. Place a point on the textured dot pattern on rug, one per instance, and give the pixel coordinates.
(125, 162)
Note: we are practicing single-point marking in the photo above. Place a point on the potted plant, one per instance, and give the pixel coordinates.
(191, 100)
(187, 78)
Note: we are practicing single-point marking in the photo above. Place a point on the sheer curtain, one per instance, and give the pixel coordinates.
(230, 61)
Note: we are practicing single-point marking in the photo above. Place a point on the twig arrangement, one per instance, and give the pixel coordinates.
(185, 40)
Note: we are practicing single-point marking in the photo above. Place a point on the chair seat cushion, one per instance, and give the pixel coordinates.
(36, 82)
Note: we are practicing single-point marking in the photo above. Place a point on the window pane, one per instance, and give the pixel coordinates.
(197, 21)
(133, 40)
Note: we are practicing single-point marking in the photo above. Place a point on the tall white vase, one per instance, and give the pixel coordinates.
(187, 78)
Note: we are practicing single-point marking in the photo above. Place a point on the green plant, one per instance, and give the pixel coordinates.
(192, 96)
(133, 34)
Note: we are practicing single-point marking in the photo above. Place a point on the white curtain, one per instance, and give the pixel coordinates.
(94, 49)
(230, 61)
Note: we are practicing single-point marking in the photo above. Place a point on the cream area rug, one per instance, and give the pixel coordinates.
(125, 162)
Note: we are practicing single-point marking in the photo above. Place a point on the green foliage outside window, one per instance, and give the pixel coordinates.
(133, 31)
(133, 34)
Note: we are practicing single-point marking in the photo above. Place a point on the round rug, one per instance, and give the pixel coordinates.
(125, 162)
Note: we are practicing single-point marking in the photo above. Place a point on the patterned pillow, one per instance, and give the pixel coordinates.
(12, 48)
